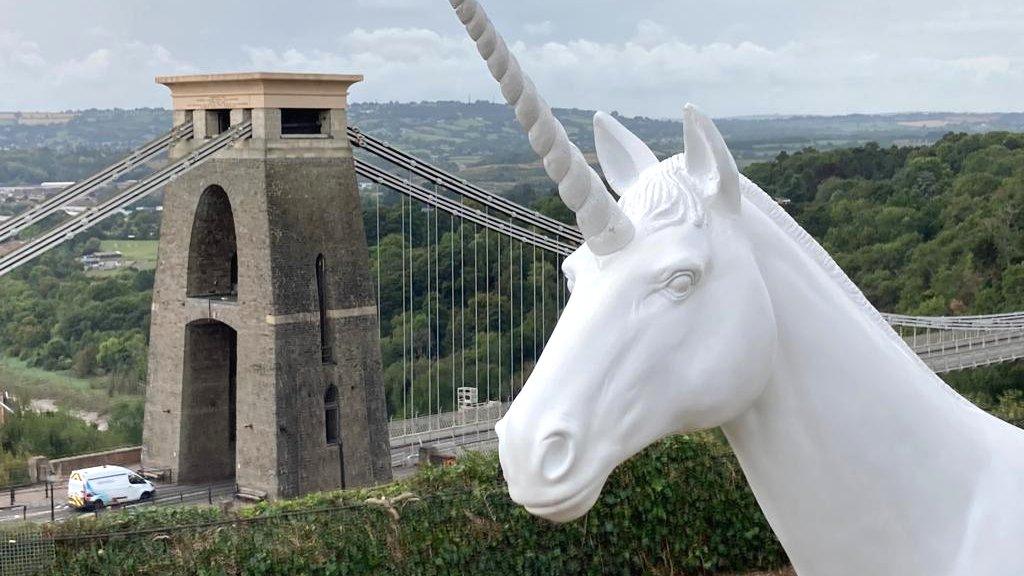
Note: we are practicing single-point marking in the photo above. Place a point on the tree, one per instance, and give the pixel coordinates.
(92, 245)
(126, 420)
(122, 353)
(84, 362)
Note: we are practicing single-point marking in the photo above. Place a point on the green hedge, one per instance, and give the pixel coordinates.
(681, 507)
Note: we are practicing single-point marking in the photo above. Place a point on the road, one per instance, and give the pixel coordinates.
(37, 508)
(404, 457)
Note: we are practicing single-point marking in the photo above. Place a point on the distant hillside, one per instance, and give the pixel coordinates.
(487, 131)
(36, 118)
(482, 141)
(117, 129)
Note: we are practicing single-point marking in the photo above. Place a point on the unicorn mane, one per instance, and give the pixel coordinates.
(664, 195)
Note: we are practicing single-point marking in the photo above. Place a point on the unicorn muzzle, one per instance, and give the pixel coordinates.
(538, 460)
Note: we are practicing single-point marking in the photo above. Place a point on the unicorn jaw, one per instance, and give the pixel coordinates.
(567, 510)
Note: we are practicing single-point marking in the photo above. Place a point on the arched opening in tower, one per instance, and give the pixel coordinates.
(208, 399)
(213, 249)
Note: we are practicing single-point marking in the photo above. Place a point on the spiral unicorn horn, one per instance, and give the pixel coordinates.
(604, 225)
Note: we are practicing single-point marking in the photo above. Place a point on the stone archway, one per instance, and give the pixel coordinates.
(213, 248)
(208, 400)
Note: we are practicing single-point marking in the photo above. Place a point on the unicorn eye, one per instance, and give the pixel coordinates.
(680, 285)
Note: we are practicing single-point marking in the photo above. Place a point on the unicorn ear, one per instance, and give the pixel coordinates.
(623, 156)
(709, 161)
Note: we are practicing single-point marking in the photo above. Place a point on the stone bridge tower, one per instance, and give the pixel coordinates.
(264, 363)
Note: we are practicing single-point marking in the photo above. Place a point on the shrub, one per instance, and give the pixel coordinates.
(53, 434)
(682, 506)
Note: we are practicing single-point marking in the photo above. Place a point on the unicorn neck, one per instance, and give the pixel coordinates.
(854, 443)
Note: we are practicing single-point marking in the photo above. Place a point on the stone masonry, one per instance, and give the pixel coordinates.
(246, 336)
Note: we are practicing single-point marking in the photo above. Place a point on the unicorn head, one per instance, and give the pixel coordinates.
(669, 326)
(673, 332)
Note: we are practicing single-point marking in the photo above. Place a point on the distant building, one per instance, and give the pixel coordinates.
(469, 397)
(36, 118)
(34, 193)
(102, 261)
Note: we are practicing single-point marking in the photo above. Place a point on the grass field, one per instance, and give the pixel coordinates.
(66, 389)
(142, 252)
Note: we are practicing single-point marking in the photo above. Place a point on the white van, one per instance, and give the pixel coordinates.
(99, 486)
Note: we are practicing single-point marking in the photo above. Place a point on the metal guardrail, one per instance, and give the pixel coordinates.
(209, 494)
(23, 507)
(963, 358)
(410, 430)
(985, 322)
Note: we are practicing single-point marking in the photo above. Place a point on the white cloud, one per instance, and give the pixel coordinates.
(653, 73)
(116, 74)
(93, 66)
(134, 57)
(984, 67)
(544, 28)
(649, 33)
(406, 45)
(974, 20)
(399, 64)
(638, 58)
(387, 3)
(18, 53)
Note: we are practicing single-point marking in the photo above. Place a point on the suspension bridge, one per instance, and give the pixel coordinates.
(467, 284)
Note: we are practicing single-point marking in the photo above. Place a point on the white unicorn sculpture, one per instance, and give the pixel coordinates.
(698, 302)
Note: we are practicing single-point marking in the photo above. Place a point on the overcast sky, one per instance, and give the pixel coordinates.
(649, 58)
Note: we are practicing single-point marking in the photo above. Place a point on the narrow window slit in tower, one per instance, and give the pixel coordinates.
(326, 348)
(331, 414)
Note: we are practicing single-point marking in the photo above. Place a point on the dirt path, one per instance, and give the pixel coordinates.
(43, 405)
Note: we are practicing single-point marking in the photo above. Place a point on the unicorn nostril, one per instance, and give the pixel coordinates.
(557, 455)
